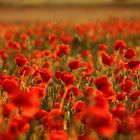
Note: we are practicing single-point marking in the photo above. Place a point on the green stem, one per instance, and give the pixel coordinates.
(3, 66)
(63, 99)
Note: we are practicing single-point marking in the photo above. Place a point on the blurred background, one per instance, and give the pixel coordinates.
(65, 2)
(71, 10)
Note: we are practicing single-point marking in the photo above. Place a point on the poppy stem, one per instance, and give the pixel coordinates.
(3, 66)
(63, 98)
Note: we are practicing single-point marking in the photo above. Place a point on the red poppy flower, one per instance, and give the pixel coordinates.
(23, 37)
(106, 59)
(101, 102)
(75, 64)
(56, 114)
(119, 78)
(130, 53)
(51, 123)
(89, 68)
(7, 109)
(10, 85)
(121, 96)
(52, 38)
(89, 92)
(102, 84)
(85, 53)
(110, 95)
(28, 102)
(46, 65)
(41, 92)
(127, 85)
(79, 106)
(103, 47)
(86, 137)
(133, 64)
(57, 105)
(7, 136)
(13, 44)
(58, 75)
(46, 75)
(66, 39)
(71, 92)
(23, 45)
(100, 120)
(119, 44)
(47, 121)
(119, 111)
(3, 54)
(9, 35)
(46, 53)
(26, 70)
(18, 125)
(38, 42)
(68, 78)
(126, 127)
(37, 53)
(137, 119)
(62, 50)
(40, 114)
(135, 95)
(21, 60)
(36, 74)
(58, 135)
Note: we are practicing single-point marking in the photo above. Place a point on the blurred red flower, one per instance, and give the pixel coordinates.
(28, 102)
(10, 85)
(21, 60)
(18, 125)
(13, 44)
(99, 119)
(7, 109)
(52, 38)
(3, 54)
(103, 47)
(127, 85)
(79, 106)
(102, 84)
(58, 135)
(75, 64)
(119, 44)
(133, 64)
(66, 39)
(46, 75)
(26, 71)
(106, 59)
(62, 50)
(68, 78)
(130, 53)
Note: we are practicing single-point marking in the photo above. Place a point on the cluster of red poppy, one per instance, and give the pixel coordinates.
(60, 81)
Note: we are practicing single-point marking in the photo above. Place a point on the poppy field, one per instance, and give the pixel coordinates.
(70, 81)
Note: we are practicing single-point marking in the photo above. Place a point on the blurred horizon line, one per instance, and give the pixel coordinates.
(113, 4)
(43, 3)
